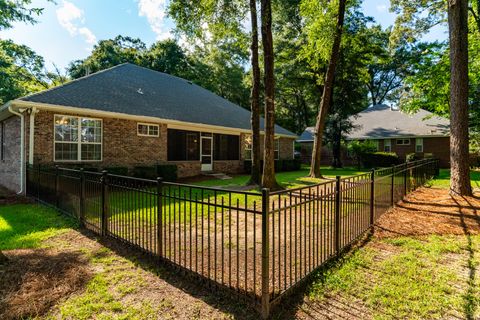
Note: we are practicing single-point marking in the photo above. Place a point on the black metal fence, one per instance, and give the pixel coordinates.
(260, 245)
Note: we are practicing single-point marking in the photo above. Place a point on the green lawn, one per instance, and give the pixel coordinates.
(406, 277)
(293, 179)
(27, 225)
(443, 180)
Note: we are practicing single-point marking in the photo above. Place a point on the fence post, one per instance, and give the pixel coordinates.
(392, 197)
(372, 197)
(38, 182)
(265, 253)
(104, 221)
(159, 218)
(82, 196)
(337, 214)
(57, 197)
(405, 180)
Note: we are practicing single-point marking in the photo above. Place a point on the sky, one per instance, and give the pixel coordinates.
(68, 29)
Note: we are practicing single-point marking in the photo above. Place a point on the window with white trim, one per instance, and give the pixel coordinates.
(248, 147)
(387, 145)
(403, 142)
(276, 149)
(419, 145)
(77, 139)
(148, 130)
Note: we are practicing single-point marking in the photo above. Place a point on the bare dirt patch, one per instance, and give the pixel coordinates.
(8, 197)
(431, 211)
(32, 281)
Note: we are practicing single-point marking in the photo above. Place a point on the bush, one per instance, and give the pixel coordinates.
(379, 159)
(145, 172)
(357, 149)
(119, 171)
(411, 157)
(280, 165)
(167, 171)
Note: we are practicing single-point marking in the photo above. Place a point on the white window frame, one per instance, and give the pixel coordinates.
(403, 140)
(79, 143)
(276, 148)
(419, 143)
(149, 125)
(248, 146)
(387, 143)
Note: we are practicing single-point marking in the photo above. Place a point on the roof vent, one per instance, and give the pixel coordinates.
(140, 91)
(189, 82)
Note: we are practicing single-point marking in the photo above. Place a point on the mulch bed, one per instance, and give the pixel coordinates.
(35, 280)
(431, 211)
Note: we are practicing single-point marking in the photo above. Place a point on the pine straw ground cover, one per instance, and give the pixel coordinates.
(422, 262)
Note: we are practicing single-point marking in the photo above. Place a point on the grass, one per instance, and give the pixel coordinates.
(417, 280)
(443, 180)
(293, 179)
(27, 225)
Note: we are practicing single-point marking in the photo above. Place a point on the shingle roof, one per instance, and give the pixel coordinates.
(381, 121)
(135, 90)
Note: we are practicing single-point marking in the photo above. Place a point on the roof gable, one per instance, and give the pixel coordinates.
(139, 91)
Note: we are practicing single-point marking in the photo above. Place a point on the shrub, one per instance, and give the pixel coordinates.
(411, 157)
(167, 171)
(280, 165)
(145, 172)
(379, 159)
(120, 171)
(357, 149)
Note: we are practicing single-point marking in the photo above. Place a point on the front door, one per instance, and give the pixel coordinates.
(206, 153)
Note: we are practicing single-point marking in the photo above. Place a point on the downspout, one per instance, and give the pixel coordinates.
(31, 143)
(22, 147)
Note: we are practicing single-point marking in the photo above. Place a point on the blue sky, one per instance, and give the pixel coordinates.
(68, 29)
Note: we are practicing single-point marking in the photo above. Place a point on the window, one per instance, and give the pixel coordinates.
(403, 142)
(77, 139)
(419, 145)
(248, 148)
(148, 130)
(387, 145)
(2, 141)
(276, 149)
(183, 145)
(226, 147)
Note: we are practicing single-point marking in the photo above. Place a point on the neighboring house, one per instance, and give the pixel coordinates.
(127, 116)
(393, 131)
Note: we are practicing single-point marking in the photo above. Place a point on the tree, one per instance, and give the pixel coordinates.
(327, 92)
(17, 10)
(458, 32)
(255, 177)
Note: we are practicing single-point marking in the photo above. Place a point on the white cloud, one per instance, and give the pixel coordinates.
(71, 18)
(155, 12)
(382, 8)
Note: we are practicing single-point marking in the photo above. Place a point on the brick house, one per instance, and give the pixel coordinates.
(392, 130)
(127, 116)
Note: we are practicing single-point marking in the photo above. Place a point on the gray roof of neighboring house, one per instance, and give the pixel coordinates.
(381, 121)
(135, 90)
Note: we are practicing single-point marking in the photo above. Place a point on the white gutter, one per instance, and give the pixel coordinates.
(22, 147)
(31, 143)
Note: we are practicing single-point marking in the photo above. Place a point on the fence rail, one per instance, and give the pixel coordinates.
(260, 245)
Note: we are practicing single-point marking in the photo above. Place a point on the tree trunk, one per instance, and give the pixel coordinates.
(255, 177)
(268, 178)
(3, 258)
(337, 148)
(327, 94)
(458, 30)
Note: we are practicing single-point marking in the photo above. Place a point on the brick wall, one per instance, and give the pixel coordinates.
(124, 148)
(10, 167)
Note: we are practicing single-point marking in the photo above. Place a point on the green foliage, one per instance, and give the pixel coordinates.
(17, 10)
(144, 172)
(167, 171)
(120, 171)
(411, 157)
(379, 159)
(358, 148)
